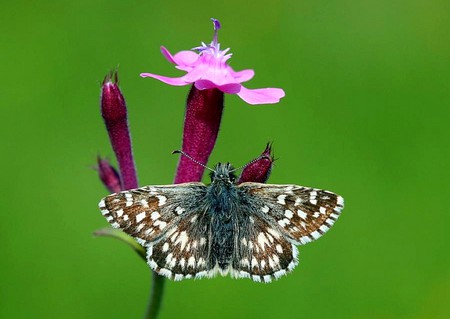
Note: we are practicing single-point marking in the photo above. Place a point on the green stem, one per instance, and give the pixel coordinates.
(156, 295)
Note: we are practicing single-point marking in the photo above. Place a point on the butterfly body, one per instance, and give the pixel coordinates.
(248, 230)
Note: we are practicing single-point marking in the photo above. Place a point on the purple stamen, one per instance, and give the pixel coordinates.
(217, 26)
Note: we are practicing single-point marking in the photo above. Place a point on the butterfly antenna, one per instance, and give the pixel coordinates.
(192, 159)
(250, 163)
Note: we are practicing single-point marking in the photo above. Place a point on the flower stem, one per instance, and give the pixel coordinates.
(156, 296)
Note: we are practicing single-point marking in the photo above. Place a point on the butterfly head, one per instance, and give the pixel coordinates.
(223, 174)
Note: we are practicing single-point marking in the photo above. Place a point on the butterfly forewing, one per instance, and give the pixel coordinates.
(304, 214)
(146, 213)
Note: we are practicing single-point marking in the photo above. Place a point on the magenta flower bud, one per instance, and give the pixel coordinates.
(108, 175)
(114, 114)
(201, 126)
(258, 171)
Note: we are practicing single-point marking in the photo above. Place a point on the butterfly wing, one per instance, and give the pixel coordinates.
(184, 251)
(261, 252)
(302, 214)
(147, 213)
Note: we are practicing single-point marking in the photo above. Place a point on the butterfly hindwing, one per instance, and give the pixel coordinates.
(184, 251)
(146, 213)
(302, 213)
(262, 253)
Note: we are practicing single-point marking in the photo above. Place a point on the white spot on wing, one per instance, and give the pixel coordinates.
(179, 210)
(162, 200)
(279, 273)
(281, 199)
(155, 215)
(183, 239)
(178, 277)
(273, 232)
(245, 262)
(191, 262)
(119, 213)
(144, 203)
(165, 272)
(265, 209)
(288, 213)
(284, 222)
(302, 214)
(161, 224)
(305, 240)
(315, 234)
(262, 240)
(267, 278)
(140, 217)
(254, 262)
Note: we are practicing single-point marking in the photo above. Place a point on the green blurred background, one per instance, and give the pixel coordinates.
(366, 114)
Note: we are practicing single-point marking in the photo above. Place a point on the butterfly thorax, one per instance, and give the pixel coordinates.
(223, 197)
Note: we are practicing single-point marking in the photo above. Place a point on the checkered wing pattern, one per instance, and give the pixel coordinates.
(147, 213)
(262, 253)
(302, 214)
(184, 252)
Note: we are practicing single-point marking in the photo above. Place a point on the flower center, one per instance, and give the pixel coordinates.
(214, 47)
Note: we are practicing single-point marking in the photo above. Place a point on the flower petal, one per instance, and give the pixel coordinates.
(172, 81)
(184, 60)
(230, 88)
(242, 76)
(261, 96)
(167, 55)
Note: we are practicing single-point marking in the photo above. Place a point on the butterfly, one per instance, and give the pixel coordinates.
(247, 230)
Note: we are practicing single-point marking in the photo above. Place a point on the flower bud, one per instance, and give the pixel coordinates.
(258, 171)
(108, 175)
(114, 112)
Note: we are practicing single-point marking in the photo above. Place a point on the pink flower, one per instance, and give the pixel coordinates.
(208, 69)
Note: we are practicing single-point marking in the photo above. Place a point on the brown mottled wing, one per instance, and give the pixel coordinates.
(302, 214)
(184, 251)
(262, 253)
(146, 213)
